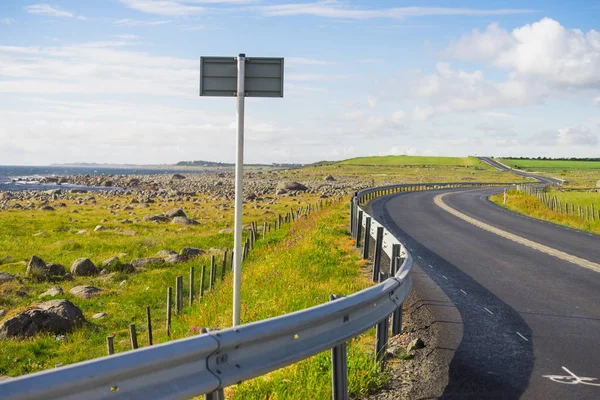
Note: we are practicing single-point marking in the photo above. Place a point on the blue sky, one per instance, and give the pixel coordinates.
(117, 80)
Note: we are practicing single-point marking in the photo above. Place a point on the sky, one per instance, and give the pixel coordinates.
(116, 81)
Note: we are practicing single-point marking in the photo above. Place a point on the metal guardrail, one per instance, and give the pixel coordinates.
(207, 363)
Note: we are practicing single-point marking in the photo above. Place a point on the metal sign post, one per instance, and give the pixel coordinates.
(240, 77)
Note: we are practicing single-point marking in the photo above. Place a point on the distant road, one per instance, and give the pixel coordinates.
(529, 313)
(502, 167)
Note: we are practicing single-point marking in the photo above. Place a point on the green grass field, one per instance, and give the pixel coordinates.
(413, 160)
(535, 165)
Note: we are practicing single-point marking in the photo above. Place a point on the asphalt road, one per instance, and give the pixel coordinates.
(502, 167)
(525, 314)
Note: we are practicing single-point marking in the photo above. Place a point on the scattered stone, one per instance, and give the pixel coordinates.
(99, 315)
(297, 186)
(85, 292)
(53, 292)
(6, 277)
(165, 253)
(176, 212)
(104, 271)
(39, 234)
(99, 228)
(279, 192)
(176, 258)
(56, 316)
(329, 178)
(191, 252)
(47, 208)
(83, 267)
(2, 313)
(226, 230)
(110, 263)
(125, 268)
(156, 218)
(68, 277)
(82, 232)
(56, 270)
(37, 269)
(126, 221)
(415, 344)
(184, 221)
(143, 262)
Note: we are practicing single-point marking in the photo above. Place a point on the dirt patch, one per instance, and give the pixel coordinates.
(425, 375)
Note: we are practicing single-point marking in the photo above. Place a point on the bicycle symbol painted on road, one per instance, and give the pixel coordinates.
(572, 379)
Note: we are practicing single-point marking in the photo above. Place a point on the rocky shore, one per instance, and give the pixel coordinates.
(178, 187)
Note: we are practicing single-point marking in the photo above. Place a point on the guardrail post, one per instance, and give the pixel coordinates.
(352, 216)
(367, 239)
(377, 256)
(359, 228)
(339, 369)
(381, 338)
(394, 264)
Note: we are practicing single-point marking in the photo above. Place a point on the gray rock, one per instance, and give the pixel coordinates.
(83, 267)
(329, 178)
(226, 230)
(156, 218)
(85, 292)
(99, 228)
(37, 269)
(297, 186)
(125, 268)
(177, 176)
(67, 277)
(47, 208)
(176, 212)
(176, 258)
(184, 221)
(191, 252)
(142, 262)
(104, 271)
(6, 277)
(2, 313)
(415, 344)
(110, 263)
(165, 253)
(56, 270)
(53, 292)
(56, 316)
(99, 315)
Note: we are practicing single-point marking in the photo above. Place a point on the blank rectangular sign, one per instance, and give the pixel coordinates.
(264, 76)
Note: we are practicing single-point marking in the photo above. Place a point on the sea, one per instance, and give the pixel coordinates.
(9, 173)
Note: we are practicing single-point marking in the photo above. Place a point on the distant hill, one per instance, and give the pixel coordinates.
(201, 163)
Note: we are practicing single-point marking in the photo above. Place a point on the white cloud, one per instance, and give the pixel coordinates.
(496, 114)
(337, 9)
(134, 22)
(596, 100)
(544, 49)
(176, 8)
(576, 136)
(422, 113)
(128, 37)
(8, 21)
(53, 11)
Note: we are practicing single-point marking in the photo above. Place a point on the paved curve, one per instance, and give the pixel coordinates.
(502, 167)
(525, 314)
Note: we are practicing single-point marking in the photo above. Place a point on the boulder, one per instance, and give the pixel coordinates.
(99, 315)
(165, 253)
(176, 212)
(99, 228)
(6, 277)
(177, 176)
(125, 268)
(329, 178)
(53, 292)
(85, 292)
(56, 270)
(142, 262)
(37, 269)
(176, 258)
(191, 252)
(83, 267)
(184, 221)
(156, 218)
(56, 316)
(297, 186)
(110, 263)
(47, 208)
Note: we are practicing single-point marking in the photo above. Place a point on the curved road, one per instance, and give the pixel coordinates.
(529, 317)
(502, 167)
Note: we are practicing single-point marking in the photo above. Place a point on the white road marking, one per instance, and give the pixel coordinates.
(420, 258)
(488, 310)
(431, 266)
(463, 291)
(515, 238)
(444, 276)
(524, 338)
(571, 379)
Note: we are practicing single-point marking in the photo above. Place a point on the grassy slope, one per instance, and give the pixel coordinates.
(551, 164)
(293, 269)
(412, 160)
(582, 174)
(531, 206)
